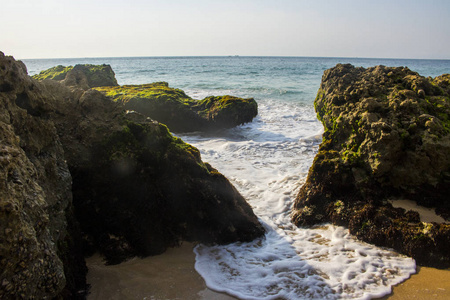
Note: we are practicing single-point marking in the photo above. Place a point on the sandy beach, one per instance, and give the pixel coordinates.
(172, 276)
(167, 276)
(427, 283)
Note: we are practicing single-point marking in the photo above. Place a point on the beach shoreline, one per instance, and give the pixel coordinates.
(172, 275)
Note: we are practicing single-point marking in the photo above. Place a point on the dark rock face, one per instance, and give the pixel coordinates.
(387, 135)
(138, 189)
(40, 255)
(132, 189)
(82, 76)
(148, 191)
(180, 112)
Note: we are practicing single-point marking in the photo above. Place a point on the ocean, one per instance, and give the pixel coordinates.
(268, 160)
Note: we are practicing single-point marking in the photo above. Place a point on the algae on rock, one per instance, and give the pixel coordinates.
(386, 136)
(180, 112)
(138, 189)
(158, 101)
(85, 76)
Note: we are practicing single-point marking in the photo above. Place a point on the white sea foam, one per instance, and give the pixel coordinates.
(268, 160)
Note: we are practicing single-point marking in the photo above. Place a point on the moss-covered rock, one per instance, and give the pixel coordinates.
(84, 76)
(180, 112)
(40, 243)
(157, 100)
(137, 189)
(147, 190)
(386, 136)
(56, 73)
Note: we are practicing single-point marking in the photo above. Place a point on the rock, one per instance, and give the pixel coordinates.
(387, 135)
(40, 255)
(157, 100)
(84, 76)
(138, 189)
(180, 112)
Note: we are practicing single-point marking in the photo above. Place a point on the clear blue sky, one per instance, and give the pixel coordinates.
(334, 28)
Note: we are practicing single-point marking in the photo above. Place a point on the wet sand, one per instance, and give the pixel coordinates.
(172, 276)
(427, 283)
(167, 276)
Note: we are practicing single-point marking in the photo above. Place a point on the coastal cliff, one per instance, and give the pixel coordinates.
(80, 174)
(387, 137)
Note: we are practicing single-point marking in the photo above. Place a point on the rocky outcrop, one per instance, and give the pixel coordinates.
(138, 189)
(387, 136)
(158, 101)
(40, 256)
(180, 112)
(82, 76)
(72, 159)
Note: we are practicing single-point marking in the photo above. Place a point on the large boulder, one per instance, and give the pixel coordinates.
(387, 136)
(84, 76)
(180, 112)
(138, 189)
(40, 242)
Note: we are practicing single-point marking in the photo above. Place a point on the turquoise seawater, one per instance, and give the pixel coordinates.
(285, 78)
(268, 161)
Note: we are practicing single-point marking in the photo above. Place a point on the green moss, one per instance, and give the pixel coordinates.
(179, 111)
(338, 203)
(350, 156)
(179, 145)
(156, 91)
(366, 224)
(119, 145)
(98, 75)
(439, 106)
(339, 206)
(320, 111)
(219, 104)
(55, 73)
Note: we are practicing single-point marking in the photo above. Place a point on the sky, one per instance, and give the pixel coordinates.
(318, 28)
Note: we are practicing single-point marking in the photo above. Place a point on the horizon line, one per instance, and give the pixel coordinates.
(229, 56)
